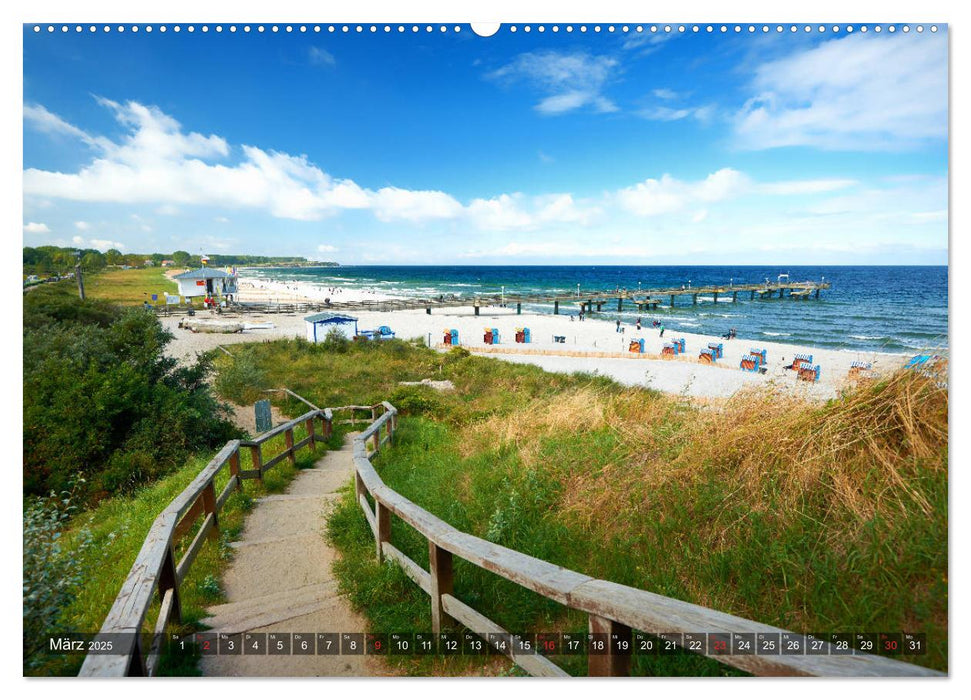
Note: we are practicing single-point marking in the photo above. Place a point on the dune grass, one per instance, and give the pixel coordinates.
(814, 517)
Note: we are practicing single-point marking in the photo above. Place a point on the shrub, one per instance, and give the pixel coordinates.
(417, 400)
(106, 403)
(241, 380)
(52, 572)
(335, 341)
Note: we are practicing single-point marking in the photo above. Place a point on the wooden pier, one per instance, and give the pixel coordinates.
(587, 302)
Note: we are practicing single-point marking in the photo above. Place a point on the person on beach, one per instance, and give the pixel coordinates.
(638, 324)
(662, 331)
(618, 325)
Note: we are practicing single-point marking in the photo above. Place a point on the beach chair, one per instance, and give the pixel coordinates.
(636, 345)
(526, 335)
(799, 360)
(751, 363)
(708, 356)
(680, 343)
(447, 338)
(916, 361)
(669, 350)
(455, 336)
(718, 349)
(495, 336)
(487, 337)
(520, 337)
(808, 373)
(858, 369)
(761, 353)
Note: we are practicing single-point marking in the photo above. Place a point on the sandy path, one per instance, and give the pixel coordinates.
(280, 580)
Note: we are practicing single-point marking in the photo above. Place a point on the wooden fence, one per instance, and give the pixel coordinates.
(158, 570)
(612, 609)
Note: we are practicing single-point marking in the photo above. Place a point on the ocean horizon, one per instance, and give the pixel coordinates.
(888, 308)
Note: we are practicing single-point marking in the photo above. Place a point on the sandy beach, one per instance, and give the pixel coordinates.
(593, 345)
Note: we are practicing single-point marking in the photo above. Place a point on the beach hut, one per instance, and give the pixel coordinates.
(636, 345)
(859, 368)
(761, 353)
(708, 356)
(718, 349)
(319, 325)
(205, 282)
(680, 343)
(669, 350)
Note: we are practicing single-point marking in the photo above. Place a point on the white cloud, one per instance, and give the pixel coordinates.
(40, 118)
(82, 225)
(221, 220)
(97, 243)
(324, 248)
(789, 187)
(34, 227)
(653, 197)
(321, 57)
(699, 216)
(861, 92)
(518, 212)
(392, 203)
(666, 94)
(570, 80)
(669, 114)
(500, 213)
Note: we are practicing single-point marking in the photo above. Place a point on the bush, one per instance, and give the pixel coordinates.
(417, 400)
(52, 573)
(106, 403)
(241, 380)
(335, 341)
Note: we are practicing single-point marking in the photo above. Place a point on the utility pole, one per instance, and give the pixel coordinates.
(77, 274)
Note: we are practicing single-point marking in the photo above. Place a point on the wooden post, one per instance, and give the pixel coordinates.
(611, 662)
(716, 297)
(440, 570)
(694, 299)
(312, 433)
(359, 489)
(556, 306)
(752, 298)
(288, 436)
(167, 578)
(476, 307)
(383, 517)
(209, 508)
(519, 307)
(817, 292)
(428, 310)
(734, 297)
(234, 469)
(389, 431)
(328, 427)
(256, 452)
(620, 303)
(672, 301)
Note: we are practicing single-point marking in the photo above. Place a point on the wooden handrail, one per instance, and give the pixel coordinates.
(156, 570)
(611, 608)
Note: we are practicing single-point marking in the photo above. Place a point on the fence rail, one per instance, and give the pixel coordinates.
(157, 572)
(612, 609)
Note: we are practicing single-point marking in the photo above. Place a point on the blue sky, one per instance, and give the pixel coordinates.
(529, 148)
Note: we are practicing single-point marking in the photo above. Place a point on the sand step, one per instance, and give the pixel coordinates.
(272, 608)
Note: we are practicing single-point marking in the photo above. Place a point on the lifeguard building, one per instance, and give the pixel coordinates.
(206, 281)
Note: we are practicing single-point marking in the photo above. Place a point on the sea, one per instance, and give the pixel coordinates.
(897, 309)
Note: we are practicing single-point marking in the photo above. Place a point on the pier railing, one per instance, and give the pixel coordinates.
(612, 609)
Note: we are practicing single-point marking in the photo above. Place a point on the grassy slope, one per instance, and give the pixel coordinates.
(818, 519)
(128, 287)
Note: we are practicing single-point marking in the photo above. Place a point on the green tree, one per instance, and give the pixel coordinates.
(113, 257)
(181, 258)
(93, 260)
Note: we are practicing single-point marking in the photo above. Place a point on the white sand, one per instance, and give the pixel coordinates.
(589, 347)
